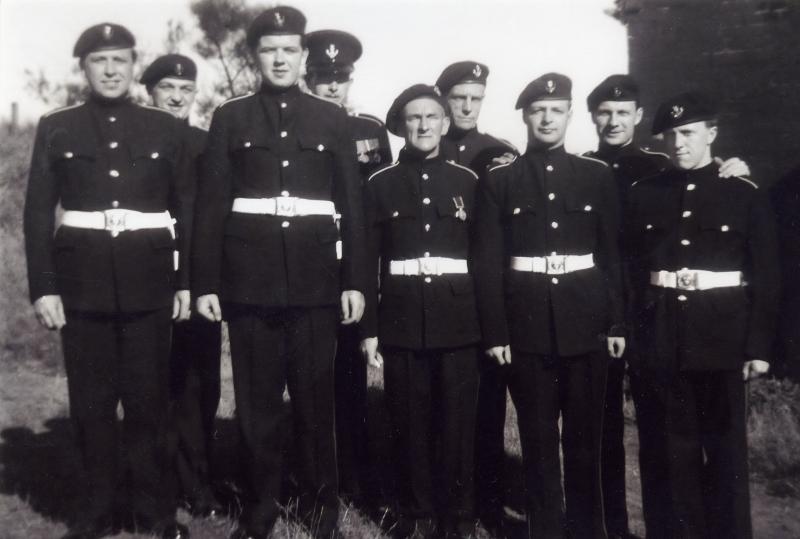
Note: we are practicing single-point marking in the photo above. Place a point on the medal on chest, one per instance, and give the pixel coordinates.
(460, 212)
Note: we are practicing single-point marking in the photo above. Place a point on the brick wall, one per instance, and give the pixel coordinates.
(744, 52)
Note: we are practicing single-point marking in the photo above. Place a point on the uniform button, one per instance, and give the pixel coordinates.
(685, 242)
(686, 214)
(68, 155)
(427, 227)
(551, 196)
(395, 213)
(284, 134)
(285, 224)
(690, 187)
(554, 280)
(649, 227)
(516, 211)
(112, 119)
(553, 253)
(426, 201)
(113, 173)
(682, 298)
(284, 193)
(247, 144)
(549, 168)
(285, 164)
(113, 144)
(283, 105)
(321, 147)
(462, 148)
(154, 155)
(427, 279)
(554, 224)
(615, 165)
(426, 254)
(115, 204)
(425, 176)
(724, 228)
(587, 208)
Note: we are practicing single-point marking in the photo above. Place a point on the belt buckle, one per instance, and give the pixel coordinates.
(686, 280)
(286, 206)
(427, 266)
(556, 264)
(115, 221)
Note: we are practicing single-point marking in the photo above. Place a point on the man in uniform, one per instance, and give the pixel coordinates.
(171, 81)
(419, 215)
(703, 272)
(279, 172)
(107, 279)
(615, 110)
(331, 55)
(548, 278)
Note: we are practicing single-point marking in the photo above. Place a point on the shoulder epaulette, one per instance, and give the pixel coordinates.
(591, 159)
(449, 162)
(61, 109)
(384, 169)
(492, 169)
(590, 153)
(650, 152)
(745, 180)
(369, 117)
(232, 99)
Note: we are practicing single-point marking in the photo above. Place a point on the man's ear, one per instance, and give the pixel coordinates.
(569, 113)
(638, 116)
(712, 134)
(445, 124)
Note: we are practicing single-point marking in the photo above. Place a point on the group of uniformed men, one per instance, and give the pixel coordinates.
(475, 269)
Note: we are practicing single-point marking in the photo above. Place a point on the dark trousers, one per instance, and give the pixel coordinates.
(195, 394)
(707, 445)
(270, 350)
(490, 441)
(648, 398)
(351, 413)
(613, 451)
(113, 358)
(431, 396)
(544, 387)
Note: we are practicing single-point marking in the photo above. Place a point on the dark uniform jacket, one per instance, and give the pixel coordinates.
(371, 142)
(694, 219)
(548, 202)
(98, 156)
(412, 209)
(267, 145)
(630, 163)
(473, 149)
(195, 140)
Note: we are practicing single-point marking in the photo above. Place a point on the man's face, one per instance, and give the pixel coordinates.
(331, 86)
(547, 121)
(689, 146)
(174, 95)
(465, 102)
(109, 72)
(616, 121)
(280, 59)
(425, 123)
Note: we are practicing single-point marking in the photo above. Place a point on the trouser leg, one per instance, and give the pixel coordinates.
(613, 451)
(490, 441)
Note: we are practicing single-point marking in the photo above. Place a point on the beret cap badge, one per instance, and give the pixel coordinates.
(279, 19)
(676, 112)
(477, 71)
(179, 69)
(550, 87)
(332, 52)
(108, 31)
(617, 91)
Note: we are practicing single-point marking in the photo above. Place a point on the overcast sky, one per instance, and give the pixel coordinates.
(405, 42)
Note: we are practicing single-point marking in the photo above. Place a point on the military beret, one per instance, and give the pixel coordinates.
(103, 36)
(175, 66)
(614, 88)
(332, 51)
(394, 117)
(548, 86)
(683, 109)
(277, 21)
(461, 72)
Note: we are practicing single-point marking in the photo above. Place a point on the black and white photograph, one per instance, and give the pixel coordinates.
(403, 269)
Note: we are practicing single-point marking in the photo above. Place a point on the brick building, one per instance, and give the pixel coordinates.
(743, 52)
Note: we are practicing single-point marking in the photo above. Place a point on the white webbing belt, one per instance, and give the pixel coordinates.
(429, 265)
(552, 265)
(284, 206)
(689, 279)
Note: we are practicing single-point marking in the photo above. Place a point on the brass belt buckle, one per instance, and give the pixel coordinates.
(427, 266)
(686, 280)
(115, 222)
(286, 206)
(556, 264)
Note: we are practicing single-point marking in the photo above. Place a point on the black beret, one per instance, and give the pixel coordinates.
(462, 72)
(332, 51)
(103, 36)
(394, 116)
(175, 66)
(614, 88)
(548, 86)
(277, 21)
(683, 109)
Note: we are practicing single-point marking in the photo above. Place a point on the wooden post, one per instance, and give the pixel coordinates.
(12, 126)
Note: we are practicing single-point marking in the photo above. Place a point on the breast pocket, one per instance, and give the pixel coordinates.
(73, 156)
(153, 157)
(582, 215)
(520, 216)
(458, 208)
(724, 234)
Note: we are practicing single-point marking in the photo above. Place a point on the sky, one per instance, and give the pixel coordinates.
(405, 42)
